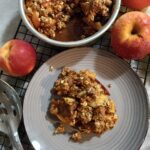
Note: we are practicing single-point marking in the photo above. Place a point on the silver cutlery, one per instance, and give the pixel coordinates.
(10, 114)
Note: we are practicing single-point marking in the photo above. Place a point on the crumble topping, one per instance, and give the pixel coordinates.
(82, 103)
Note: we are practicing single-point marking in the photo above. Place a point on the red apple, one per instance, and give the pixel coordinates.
(131, 35)
(136, 4)
(17, 57)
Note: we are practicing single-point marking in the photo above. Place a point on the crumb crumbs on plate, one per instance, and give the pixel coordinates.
(77, 136)
(109, 85)
(60, 129)
(51, 68)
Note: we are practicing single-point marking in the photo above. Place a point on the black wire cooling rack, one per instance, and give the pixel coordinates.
(44, 52)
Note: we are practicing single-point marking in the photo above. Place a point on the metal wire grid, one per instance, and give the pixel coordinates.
(44, 52)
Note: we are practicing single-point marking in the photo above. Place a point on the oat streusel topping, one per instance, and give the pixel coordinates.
(83, 103)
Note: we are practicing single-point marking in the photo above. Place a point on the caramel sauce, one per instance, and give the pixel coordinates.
(72, 32)
(103, 87)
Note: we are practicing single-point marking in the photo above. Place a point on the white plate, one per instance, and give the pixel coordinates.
(127, 91)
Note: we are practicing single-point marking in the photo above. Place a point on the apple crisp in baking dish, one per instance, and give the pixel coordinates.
(83, 103)
(52, 17)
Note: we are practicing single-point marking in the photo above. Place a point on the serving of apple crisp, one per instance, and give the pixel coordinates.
(51, 17)
(83, 103)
